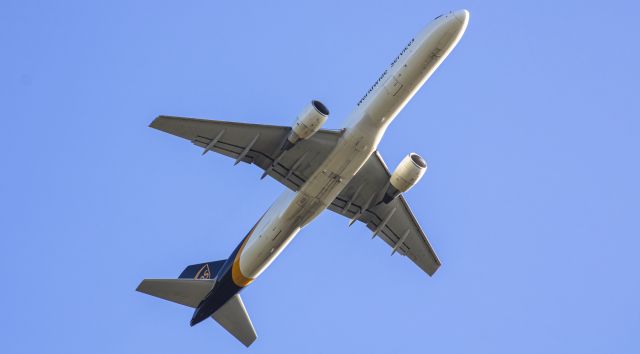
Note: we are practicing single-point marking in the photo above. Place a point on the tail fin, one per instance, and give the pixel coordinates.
(233, 317)
(192, 289)
(207, 270)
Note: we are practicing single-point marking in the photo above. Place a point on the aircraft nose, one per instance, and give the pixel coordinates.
(462, 16)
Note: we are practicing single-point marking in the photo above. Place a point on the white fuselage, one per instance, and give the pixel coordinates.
(363, 131)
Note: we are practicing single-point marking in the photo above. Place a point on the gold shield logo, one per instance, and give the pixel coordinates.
(203, 273)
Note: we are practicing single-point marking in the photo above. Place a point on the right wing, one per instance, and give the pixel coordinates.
(257, 144)
(394, 223)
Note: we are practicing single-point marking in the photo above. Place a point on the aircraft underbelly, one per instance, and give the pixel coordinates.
(293, 210)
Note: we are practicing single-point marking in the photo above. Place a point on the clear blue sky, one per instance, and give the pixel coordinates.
(530, 129)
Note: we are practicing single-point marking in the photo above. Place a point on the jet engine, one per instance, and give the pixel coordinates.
(308, 122)
(405, 176)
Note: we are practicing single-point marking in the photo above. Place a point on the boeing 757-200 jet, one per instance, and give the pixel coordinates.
(336, 169)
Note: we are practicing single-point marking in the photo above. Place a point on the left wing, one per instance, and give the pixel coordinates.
(257, 144)
(394, 223)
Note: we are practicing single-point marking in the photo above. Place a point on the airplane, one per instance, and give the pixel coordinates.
(340, 170)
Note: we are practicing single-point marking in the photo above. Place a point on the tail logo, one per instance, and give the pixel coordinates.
(204, 272)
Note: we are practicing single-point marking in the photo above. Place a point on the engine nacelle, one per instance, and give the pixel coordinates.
(406, 175)
(308, 122)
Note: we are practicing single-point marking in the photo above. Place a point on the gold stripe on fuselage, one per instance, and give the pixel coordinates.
(236, 274)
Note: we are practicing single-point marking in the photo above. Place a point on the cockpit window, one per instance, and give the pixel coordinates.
(437, 17)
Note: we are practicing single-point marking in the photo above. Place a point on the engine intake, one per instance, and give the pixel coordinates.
(308, 122)
(406, 175)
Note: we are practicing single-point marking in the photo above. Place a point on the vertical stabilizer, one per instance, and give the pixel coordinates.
(207, 270)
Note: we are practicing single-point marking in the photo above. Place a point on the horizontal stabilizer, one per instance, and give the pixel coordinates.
(188, 292)
(233, 317)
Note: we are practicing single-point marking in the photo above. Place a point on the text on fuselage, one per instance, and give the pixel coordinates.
(375, 84)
